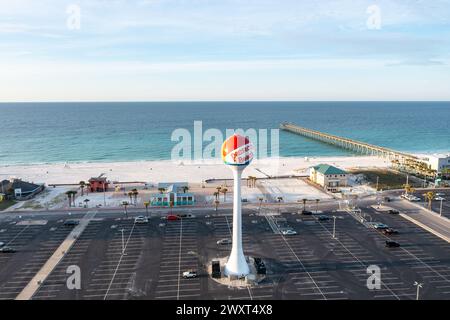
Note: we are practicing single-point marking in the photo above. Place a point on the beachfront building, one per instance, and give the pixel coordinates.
(329, 177)
(439, 163)
(98, 184)
(19, 190)
(174, 194)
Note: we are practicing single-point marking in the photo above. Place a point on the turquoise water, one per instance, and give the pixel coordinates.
(78, 132)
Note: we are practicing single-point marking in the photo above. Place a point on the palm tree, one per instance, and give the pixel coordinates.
(130, 195)
(74, 193)
(254, 181)
(125, 204)
(88, 187)
(224, 191)
(146, 204)
(82, 186)
(429, 196)
(317, 205)
(408, 188)
(86, 202)
(69, 196)
(260, 204)
(135, 194)
(216, 195)
(185, 188)
(162, 190)
(279, 199)
(304, 204)
(216, 204)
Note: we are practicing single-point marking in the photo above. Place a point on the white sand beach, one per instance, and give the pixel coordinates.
(168, 171)
(145, 175)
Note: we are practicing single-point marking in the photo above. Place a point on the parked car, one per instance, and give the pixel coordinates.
(380, 226)
(439, 198)
(306, 212)
(215, 267)
(392, 211)
(186, 215)
(224, 241)
(190, 274)
(387, 199)
(260, 266)
(7, 250)
(389, 231)
(71, 223)
(141, 220)
(2, 244)
(392, 244)
(288, 232)
(440, 194)
(323, 218)
(172, 217)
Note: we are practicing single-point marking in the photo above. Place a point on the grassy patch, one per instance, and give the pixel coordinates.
(387, 179)
(32, 204)
(6, 204)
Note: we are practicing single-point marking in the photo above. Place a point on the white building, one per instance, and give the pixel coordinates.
(438, 162)
(329, 177)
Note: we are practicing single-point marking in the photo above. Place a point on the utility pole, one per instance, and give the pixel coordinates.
(378, 178)
(334, 227)
(440, 209)
(104, 195)
(123, 242)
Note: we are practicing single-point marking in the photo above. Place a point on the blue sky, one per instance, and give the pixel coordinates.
(144, 50)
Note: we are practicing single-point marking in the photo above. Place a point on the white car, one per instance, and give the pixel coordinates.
(2, 244)
(439, 199)
(190, 274)
(140, 220)
(224, 242)
(288, 232)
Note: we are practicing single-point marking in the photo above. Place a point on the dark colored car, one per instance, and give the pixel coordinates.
(389, 231)
(71, 223)
(393, 211)
(306, 212)
(7, 250)
(392, 244)
(387, 199)
(260, 266)
(323, 218)
(216, 269)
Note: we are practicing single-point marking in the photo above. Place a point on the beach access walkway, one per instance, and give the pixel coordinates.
(35, 283)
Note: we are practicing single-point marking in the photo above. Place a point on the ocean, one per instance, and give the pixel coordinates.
(123, 131)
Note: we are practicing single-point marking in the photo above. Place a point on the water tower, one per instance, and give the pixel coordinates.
(237, 153)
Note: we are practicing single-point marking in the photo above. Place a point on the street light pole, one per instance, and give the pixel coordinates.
(418, 285)
(334, 227)
(123, 242)
(440, 209)
(104, 196)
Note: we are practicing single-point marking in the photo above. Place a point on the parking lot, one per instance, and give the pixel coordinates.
(120, 259)
(34, 242)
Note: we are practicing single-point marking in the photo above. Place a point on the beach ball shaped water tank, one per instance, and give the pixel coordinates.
(237, 151)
